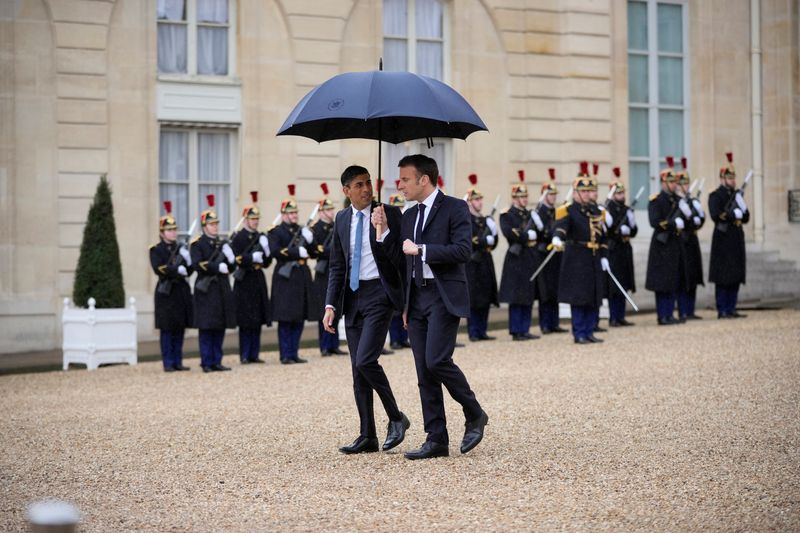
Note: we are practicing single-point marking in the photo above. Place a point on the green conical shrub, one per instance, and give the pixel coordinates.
(99, 273)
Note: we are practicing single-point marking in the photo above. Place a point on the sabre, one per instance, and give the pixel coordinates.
(747, 180)
(313, 214)
(191, 232)
(611, 192)
(238, 225)
(494, 206)
(623, 291)
(568, 195)
(638, 194)
(276, 219)
(544, 263)
(700, 187)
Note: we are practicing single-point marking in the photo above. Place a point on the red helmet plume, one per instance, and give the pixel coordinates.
(521, 174)
(616, 171)
(291, 189)
(729, 155)
(440, 182)
(167, 207)
(210, 200)
(552, 173)
(254, 196)
(670, 161)
(684, 163)
(324, 187)
(473, 179)
(396, 184)
(585, 167)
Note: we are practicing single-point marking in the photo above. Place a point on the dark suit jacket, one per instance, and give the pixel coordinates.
(447, 237)
(388, 257)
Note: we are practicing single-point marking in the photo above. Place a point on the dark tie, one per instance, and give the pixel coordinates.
(418, 275)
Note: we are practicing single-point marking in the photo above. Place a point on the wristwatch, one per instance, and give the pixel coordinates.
(419, 249)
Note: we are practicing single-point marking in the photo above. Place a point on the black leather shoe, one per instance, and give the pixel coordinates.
(384, 351)
(396, 346)
(693, 317)
(486, 338)
(299, 360)
(624, 322)
(288, 361)
(396, 432)
(520, 337)
(428, 450)
(559, 329)
(592, 338)
(598, 329)
(458, 345)
(546, 331)
(473, 432)
(207, 369)
(737, 314)
(582, 340)
(219, 368)
(169, 369)
(244, 361)
(614, 324)
(361, 445)
(530, 336)
(257, 361)
(337, 351)
(181, 368)
(681, 320)
(669, 321)
(325, 353)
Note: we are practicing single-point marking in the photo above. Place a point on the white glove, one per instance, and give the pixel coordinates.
(684, 207)
(303, 252)
(557, 242)
(698, 207)
(696, 221)
(185, 254)
(223, 268)
(738, 213)
(182, 271)
(609, 219)
(264, 243)
(491, 225)
(740, 202)
(226, 249)
(537, 220)
(531, 235)
(490, 240)
(679, 223)
(631, 218)
(604, 264)
(307, 235)
(258, 257)
(625, 230)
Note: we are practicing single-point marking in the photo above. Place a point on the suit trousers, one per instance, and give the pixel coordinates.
(432, 331)
(367, 317)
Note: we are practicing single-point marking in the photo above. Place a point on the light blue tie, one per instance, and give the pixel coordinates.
(355, 267)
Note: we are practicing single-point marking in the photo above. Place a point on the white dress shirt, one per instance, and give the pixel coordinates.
(427, 273)
(368, 268)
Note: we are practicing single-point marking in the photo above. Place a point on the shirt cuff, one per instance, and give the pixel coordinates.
(330, 307)
(383, 235)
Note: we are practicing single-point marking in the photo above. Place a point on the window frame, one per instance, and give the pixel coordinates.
(655, 161)
(193, 180)
(192, 25)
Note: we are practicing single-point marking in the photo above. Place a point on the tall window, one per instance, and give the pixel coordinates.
(414, 39)
(192, 164)
(657, 88)
(193, 37)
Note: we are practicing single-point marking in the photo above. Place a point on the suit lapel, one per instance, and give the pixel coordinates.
(344, 233)
(437, 202)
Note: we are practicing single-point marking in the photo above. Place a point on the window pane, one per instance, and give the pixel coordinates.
(437, 152)
(429, 19)
(213, 157)
(637, 79)
(639, 132)
(429, 59)
(640, 177)
(178, 194)
(171, 10)
(395, 54)
(395, 17)
(670, 133)
(670, 28)
(637, 26)
(392, 154)
(171, 47)
(212, 11)
(173, 156)
(670, 80)
(222, 203)
(212, 51)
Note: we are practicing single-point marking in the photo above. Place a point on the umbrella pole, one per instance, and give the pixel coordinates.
(378, 229)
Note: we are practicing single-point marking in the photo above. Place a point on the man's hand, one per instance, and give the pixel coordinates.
(625, 230)
(684, 207)
(378, 217)
(531, 235)
(405, 319)
(307, 235)
(609, 219)
(264, 243)
(490, 240)
(410, 248)
(738, 213)
(604, 264)
(696, 220)
(740, 201)
(557, 243)
(631, 218)
(327, 320)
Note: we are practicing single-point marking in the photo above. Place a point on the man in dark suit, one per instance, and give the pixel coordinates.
(437, 236)
(365, 284)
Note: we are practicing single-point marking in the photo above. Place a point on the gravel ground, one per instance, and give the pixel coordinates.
(680, 428)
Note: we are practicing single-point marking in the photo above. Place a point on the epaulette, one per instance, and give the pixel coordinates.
(506, 210)
(653, 196)
(561, 211)
(196, 239)
(156, 244)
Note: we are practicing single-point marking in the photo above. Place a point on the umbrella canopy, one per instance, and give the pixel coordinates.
(385, 106)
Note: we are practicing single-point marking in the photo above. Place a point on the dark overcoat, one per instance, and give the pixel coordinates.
(250, 286)
(620, 251)
(582, 280)
(692, 257)
(547, 280)
(173, 297)
(728, 264)
(521, 259)
(214, 308)
(293, 297)
(665, 265)
(480, 267)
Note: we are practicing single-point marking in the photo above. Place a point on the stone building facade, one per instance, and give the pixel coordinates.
(87, 87)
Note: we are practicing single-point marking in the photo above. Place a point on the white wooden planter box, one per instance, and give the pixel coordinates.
(93, 337)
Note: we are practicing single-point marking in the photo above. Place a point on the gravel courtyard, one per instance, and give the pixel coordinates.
(660, 428)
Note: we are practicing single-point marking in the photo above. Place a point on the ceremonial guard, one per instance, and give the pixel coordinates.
(620, 229)
(520, 262)
(293, 297)
(580, 231)
(398, 335)
(665, 273)
(694, 217)
(544, 217)
(250, 287)
(597, 210)
(173, 299)
(481, 278)
(727, 269)
(214, 306)
(323, 237)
